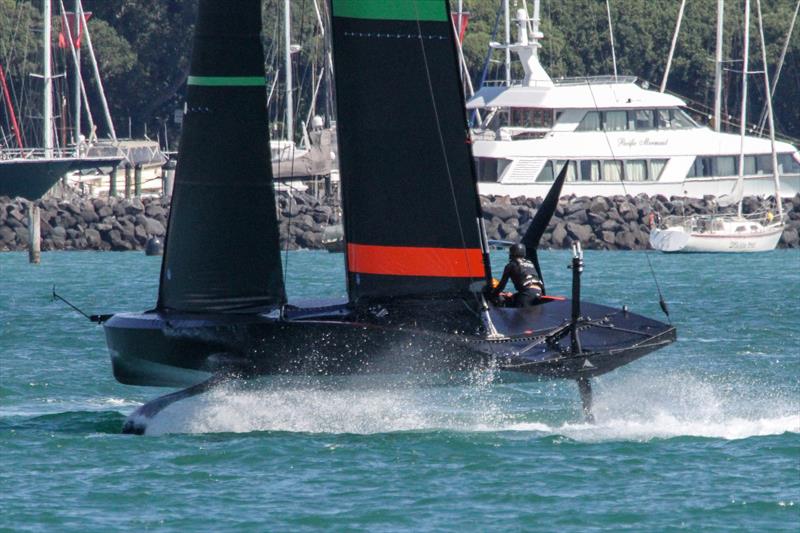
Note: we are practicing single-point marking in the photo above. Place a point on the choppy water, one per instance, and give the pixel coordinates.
(704, 434)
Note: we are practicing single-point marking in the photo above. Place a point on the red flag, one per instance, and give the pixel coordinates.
(71, 21)
(464, 22)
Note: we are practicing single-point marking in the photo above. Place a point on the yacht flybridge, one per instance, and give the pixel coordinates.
(619, 137)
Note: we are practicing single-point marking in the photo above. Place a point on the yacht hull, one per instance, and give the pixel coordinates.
(674, 240)
(159, 349)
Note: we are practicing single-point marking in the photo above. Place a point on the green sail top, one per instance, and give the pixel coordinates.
(432, 10)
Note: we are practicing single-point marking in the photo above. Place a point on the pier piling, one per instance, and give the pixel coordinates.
(127, 180)
(34, 235)
(137, 181)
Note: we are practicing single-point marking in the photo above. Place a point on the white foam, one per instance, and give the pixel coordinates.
(632, 408)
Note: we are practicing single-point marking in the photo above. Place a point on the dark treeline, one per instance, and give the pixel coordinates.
(143, 49)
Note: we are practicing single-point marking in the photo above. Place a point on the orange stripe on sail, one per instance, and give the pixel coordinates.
(415, 261)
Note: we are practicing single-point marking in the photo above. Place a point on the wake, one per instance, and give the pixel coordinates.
(632, 408)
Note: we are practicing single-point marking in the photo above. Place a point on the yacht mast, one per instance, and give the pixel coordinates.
(97, 79)
(779, 68)
(718, 67)
(287, 42)
(47, 100)
(611, 36)
(672, 46)
(76, 78)
(743, 114)
(507, 15)
(768, 93)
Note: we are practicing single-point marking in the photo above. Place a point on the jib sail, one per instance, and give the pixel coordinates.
(409, 195)
(222, 250)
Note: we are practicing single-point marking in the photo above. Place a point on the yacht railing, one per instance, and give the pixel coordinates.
(575, 80)
(34, 153)
(714, 222)
(594, 80)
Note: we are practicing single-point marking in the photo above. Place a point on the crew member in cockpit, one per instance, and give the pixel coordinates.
(524, 277)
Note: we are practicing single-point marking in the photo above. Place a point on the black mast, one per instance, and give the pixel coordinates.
(222, 252)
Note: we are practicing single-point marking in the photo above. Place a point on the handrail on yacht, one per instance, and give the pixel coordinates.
(574, 80)
(33, 153)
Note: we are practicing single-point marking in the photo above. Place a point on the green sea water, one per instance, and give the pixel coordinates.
(702, 435)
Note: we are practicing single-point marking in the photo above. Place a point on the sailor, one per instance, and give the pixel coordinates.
(524, 277)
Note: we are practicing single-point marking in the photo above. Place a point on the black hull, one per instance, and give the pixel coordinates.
(32, 178)
(161, 349)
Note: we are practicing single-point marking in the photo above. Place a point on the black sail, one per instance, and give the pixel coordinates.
(222, 252)
(409, 194)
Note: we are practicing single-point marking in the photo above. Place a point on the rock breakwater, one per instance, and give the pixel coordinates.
(117, 224)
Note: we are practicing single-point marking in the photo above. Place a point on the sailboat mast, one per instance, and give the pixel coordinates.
(718, 67)
(611, 38)
(672, 46)
(743, 113)
(287, 42)
(507, 15)
(76, 78)
(47, 100)
(768, 93)
(97, 80)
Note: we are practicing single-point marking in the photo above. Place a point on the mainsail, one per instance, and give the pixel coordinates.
(222, 252)
(409, 195)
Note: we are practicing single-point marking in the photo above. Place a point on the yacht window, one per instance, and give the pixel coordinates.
(642, 119)
(749, 165)
(590, 122)
(546, 174)
(662, 119)
(572, 172)
(702, 168)
(787, 164)
(636, 170)
(486, 168)
(590, 170)
(612, 170)
(528, 117)
(656, 168)
(616, 120)
(725, 166)
(764, 164)
(681, 120)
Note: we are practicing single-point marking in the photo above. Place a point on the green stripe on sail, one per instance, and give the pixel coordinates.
(391, 9)
(227, 81)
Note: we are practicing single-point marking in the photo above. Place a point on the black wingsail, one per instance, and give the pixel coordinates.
(409, 195)
(542, 218)
(222, 252)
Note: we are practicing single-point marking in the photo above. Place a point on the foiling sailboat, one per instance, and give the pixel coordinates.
(417, 257)
(758, 232)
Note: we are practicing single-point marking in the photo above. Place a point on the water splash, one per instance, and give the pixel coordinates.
(642, 408)
(636, 407)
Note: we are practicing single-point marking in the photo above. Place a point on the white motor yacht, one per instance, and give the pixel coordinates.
(619, 138)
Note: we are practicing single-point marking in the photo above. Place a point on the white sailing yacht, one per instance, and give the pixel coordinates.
(758, 232)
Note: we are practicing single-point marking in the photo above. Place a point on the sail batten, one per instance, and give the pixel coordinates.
(222, 252)
(409, 194)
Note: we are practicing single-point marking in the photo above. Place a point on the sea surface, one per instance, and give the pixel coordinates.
(701, 436)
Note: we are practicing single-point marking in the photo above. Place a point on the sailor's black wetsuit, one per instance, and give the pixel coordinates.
(524, 277)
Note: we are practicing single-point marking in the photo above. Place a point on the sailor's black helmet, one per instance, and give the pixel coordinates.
(516, 250)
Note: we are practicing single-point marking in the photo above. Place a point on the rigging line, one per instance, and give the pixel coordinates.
(661, 302)
(441, 136)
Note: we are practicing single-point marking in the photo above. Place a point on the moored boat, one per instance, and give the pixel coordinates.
(619, 136)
